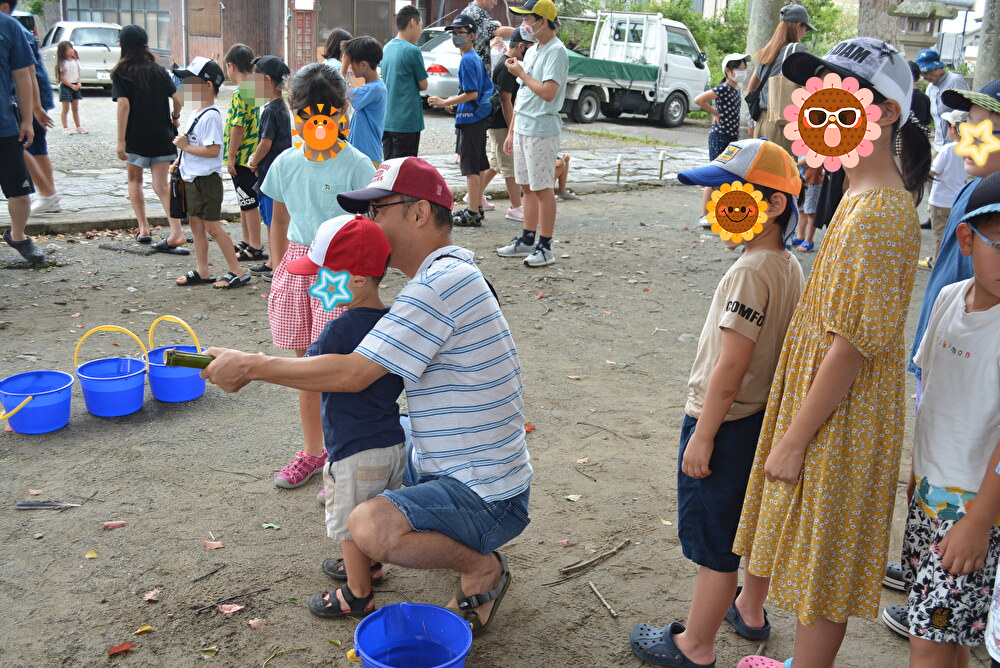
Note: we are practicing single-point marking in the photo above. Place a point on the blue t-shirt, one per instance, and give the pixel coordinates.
(950, 266)
(369, 118)
(15, 54)
(472, 77)
(402, 70)
(357, 421)
(41, 74)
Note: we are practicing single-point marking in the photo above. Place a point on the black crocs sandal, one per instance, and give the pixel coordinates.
(232, 281)
(656, 646)
(468, 604)
(328, 606)
(194, 278)
(28, 249)
(334, 567)
(756, 634)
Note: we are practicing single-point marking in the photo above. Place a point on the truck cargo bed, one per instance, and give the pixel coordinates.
(592, 68)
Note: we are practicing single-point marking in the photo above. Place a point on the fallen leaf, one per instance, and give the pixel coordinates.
(92, 555)
(36, 492)
(118, 649)
(585, 460)
(213, 545)
(335, 642)
(113, 525)
(646, 289)
(208, 651)
(573, 377)
(636, 239)
(230, 608)
(606, 312)
(151, 596)
(666, 522)
(528, 427)
(75, 315)
(539, 295)
(115, 343)
(142, 629)
(611, 363)
(574, 497)
(564, 543)
(269, 525)
(257, 623)
(353, 656)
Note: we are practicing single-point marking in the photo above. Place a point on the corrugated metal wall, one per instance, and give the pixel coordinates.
(358, 17)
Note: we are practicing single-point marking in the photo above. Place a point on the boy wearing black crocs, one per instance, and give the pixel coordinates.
(737, 354)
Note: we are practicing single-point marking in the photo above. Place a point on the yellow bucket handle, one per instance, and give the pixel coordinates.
(4, 416)
(108, 328)
(180, 322)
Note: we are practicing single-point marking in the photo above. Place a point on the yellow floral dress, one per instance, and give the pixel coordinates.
(823, 542)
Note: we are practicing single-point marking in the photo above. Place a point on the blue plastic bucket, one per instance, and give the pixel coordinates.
(48, 410)
(174, 383)
(413, 635)
(112, 386)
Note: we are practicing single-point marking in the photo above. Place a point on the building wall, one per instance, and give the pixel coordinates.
(358, 17)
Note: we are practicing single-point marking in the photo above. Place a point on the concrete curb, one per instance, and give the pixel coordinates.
(79, 223)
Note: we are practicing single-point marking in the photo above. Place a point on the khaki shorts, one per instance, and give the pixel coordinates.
(204, 197)
(500, 162)
(535, 161)
(939, 220)
(355, 479)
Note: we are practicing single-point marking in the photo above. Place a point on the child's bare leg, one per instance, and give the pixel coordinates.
(531, 210)
(161, 186)
(563, 174)
(76, 112)
(486, 176)
(357, 565)
(816, 646)
(200, 246)
(930, 654)
(250, 220)
(176, 237)
(312, 418)
(474, 184)
(513, 192)
(546, 211)
(65, 112)
(706, 197)
(713, 594)
(40, 169)
(810, 229)
(136, 197)
(750, 603)
(225, 242)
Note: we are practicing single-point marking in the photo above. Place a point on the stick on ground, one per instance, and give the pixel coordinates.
(596, 560)
(232, 598)
(606, 604)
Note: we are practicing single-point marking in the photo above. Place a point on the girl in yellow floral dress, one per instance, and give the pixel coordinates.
(819, 503)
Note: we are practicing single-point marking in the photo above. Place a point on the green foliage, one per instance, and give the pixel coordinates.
(37, 7)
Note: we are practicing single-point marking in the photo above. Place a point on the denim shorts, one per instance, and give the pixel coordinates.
(144, 162)
(448, 506)
(41, 144)
(708, 509)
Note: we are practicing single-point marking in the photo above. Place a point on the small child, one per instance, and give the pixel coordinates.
(812, 177)
(304, 182)
(68, 69)
(364, 442)
(949, 176)
(954, 441)
(562, 176)
(729, 384)
(362, 56)
(268, 79)
(239, 141)
(200, 169)
(472, 116)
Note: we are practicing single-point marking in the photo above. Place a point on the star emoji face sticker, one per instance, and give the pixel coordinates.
(736, 212)
(977, 142)
(331, 288)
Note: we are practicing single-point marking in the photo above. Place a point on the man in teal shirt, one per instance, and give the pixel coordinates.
(404, 76)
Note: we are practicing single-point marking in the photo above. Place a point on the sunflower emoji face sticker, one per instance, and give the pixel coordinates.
(832, 122)
(737, 211)
(324, 132)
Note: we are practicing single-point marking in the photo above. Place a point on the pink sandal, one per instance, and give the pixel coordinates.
(763, 662)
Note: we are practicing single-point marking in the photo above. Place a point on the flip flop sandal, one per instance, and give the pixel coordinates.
(806, 246)
(143, 238)
(756, 634)
(468, 604)
(232, 281)
(757, 661)
(334, 567)
(162, 246)
(328, 606)
(655, 645)
(193, 278)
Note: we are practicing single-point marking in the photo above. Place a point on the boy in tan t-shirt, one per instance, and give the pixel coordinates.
(729, 384)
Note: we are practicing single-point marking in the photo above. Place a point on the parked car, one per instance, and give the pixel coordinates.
(441, 59)
(97, 44)
(27, 19)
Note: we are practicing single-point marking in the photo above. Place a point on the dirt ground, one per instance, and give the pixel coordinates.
(606, 338)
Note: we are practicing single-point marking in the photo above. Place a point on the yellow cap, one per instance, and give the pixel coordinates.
(544, 8)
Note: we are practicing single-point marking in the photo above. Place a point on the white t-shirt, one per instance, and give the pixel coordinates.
(950, 176)
(207, 131)
(959, 411)
(70, 71)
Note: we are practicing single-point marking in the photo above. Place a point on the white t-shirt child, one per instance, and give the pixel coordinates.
(949, 177)
(207, 130)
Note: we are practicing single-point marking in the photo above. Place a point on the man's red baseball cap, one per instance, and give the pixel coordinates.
(410, 176)
(346, 243)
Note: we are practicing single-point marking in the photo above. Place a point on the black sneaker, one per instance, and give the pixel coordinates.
(895, 618)
(893, 578)
(260, 268)
(27, 248)
(467, 218)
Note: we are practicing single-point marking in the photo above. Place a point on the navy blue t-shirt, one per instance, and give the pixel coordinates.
(357, 421)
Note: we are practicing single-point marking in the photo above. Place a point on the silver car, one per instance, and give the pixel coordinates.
(441, 59)
(96, 43)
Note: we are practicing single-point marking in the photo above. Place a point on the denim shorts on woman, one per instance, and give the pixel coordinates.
(708, 509)
(146, 162)
(448, 506)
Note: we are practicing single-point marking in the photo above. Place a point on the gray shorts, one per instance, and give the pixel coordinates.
(355, 479)
(146, 162)
(535, 161)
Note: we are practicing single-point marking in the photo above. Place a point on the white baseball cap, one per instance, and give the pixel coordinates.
(735, 56)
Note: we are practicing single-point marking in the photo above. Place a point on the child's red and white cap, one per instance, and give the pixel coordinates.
(346, 243)
(411, 176)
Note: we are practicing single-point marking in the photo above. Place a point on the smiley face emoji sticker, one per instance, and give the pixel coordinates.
(736, 212)
(324, 134)
(832, 122)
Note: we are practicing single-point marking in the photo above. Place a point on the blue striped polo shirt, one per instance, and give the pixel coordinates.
(446, 337)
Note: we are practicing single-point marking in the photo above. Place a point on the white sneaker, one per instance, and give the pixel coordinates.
(540, 257)
(515, 249)
(703, 221)
(485, 206)
(45, 204)
(515, 213)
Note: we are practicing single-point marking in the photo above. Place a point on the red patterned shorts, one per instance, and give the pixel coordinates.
(296, 317)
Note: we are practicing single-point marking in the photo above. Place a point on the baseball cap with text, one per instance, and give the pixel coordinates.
(202, 68)
(410, 176)
(346, 243)
(544, 8)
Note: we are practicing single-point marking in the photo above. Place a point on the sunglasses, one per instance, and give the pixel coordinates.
(817, 117)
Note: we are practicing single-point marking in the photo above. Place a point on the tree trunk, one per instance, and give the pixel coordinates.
(764, 15)
(875, 21)
(988, 60)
